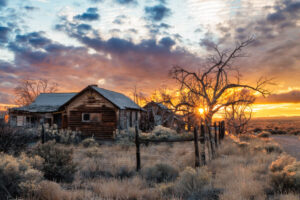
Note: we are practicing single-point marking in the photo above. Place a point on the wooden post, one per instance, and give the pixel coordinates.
(212, 149)
(43, 134)
(220, 133)
(202, 141)
(216, 135)
(223, 129)
(137, 144)
(197, 158)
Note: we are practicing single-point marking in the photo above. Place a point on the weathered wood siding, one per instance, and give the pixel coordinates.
(92, 102)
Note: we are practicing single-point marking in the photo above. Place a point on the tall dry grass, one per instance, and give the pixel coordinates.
(241, 170)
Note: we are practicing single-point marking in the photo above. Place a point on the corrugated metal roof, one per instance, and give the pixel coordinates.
(120, 100)
(47, 102)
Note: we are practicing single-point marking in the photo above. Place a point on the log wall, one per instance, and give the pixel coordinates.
(92, 102)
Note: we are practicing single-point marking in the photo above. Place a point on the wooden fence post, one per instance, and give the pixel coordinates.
(137, 144)
(216, 135)
(212, 149)
(43, 134)
(197, 158)
(202, 141)
(220, 133)
(223, 129)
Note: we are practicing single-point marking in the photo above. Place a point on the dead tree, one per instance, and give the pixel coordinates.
(238, 115)
(28, 90)
(209, 87)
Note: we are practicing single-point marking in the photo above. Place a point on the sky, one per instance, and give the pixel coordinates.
(122, 44)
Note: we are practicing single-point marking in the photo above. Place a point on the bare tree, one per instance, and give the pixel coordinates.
(238, 115)
(28, 90)
(210, 86)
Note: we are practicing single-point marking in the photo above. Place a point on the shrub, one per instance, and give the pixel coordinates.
(58, 161)
(278, 132)
(14, 140)
(160, 173)
(132, 188)
(63, 136)
(161, 130)
(192, 181)
(264, 134)
(17, 176)
(243, 145)
(270, 148)
(257, 130)
(281, 162)
(296, 132)
(124, 172)
(89, 142)
(285, 174)
(93, 168)
(93, 152)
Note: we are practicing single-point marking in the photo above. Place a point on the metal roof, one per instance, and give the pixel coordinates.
(120, 100)
(51, 102)
(47, 102)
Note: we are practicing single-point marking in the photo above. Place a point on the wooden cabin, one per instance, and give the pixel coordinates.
(94, 111)
(158, 114)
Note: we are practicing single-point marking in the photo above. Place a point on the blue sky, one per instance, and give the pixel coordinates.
(119, 44)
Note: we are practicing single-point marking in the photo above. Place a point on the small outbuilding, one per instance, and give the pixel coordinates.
(158, 114)
(94, 111)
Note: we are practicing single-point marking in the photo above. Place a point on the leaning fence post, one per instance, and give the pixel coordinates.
(202, 141)
(216, 135)
(197, 159)
(137, 144)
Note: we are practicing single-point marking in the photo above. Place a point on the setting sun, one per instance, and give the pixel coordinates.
(201, 111)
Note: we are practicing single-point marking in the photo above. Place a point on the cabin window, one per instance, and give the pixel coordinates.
(20, 120)
(91, 117)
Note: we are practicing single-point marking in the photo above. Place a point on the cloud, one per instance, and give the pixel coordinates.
(30, 8)
(119, 19)
(4, 31)
(35, 39)
(90, 15)
(124, 2)
(3, 3)
(158, 12)
(288, 97)
(96, 1)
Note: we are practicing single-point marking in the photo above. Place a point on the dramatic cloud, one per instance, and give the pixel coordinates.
(4, 34)
(158, 12)
(90, 15)
(3, 3)
(288, 97)
(137, 45)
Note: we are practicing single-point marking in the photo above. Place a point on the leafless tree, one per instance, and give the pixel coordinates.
(211, 85)
(238, 115)
(27, 90)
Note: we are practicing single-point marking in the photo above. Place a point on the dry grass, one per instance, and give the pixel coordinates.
(134, 188)
(242, 169)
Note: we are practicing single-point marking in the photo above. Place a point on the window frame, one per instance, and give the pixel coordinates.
(82, 117)
(90, 117)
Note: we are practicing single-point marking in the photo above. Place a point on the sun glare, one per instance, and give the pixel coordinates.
(201, 111)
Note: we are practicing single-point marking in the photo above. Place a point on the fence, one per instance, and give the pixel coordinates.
(206, 138)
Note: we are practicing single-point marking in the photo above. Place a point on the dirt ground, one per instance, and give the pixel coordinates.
(290, 144)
